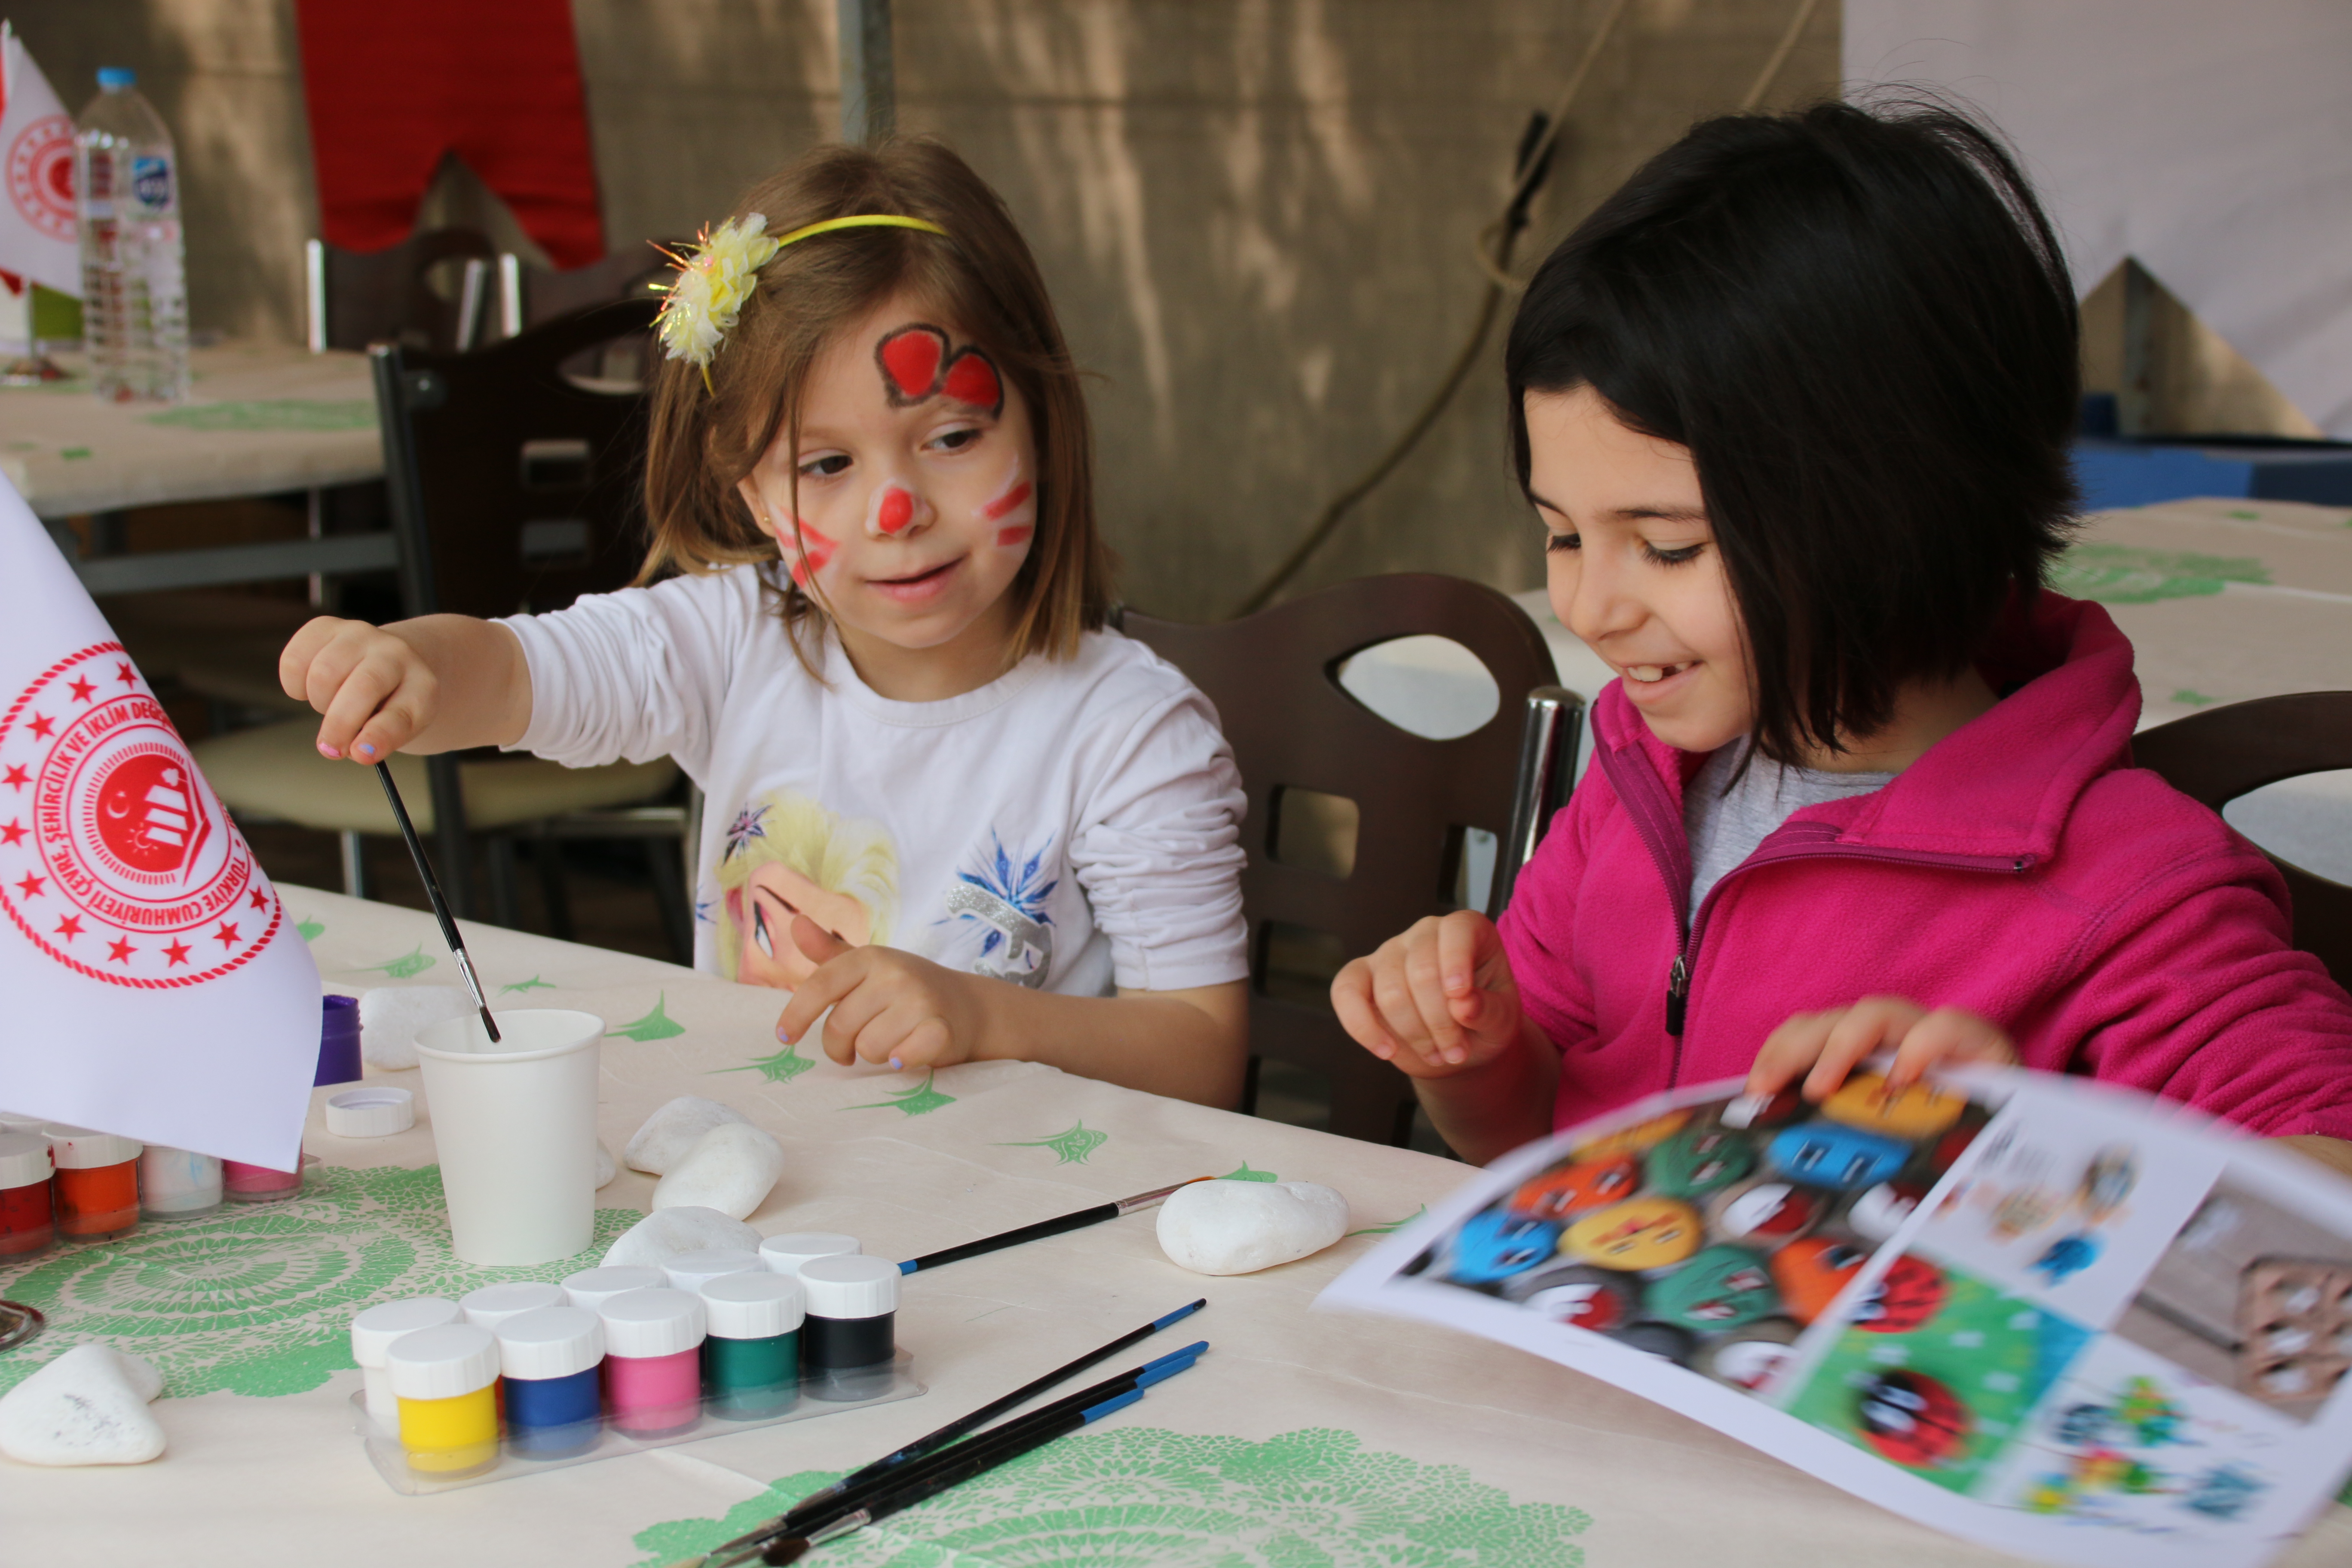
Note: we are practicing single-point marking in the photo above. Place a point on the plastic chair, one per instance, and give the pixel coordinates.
(1356, 828)
(2218, 754)
(512, 489)
(356, 298)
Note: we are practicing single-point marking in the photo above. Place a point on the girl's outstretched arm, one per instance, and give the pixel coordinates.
(438, 683)
(896, 1007)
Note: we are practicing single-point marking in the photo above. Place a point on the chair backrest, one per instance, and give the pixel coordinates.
(359, 298)
(624, 275)
(1273, 676)
(513, 487)
(2218, 754)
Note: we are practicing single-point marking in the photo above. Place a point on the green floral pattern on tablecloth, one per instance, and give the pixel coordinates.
(1072, 1147)
(657, 1024)
(408, 964)
(273, 414)
(1312, 1498)
(2126, 575)
(919, 1099)
(259, 1299)
(783, 1067)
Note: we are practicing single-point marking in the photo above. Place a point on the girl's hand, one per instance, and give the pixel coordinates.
(887, 1006)
(1436, 1001)
(1824, 1046)
(376, 690)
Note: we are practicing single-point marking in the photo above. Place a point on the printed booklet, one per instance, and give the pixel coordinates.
(2053, 1317)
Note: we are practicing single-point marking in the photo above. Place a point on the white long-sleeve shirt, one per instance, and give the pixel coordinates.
(1072, 826)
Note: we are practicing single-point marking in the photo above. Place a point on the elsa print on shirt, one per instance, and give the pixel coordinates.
(789, 856)
(996, 919)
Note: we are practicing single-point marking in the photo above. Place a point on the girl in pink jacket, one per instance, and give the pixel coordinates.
(1794, 409)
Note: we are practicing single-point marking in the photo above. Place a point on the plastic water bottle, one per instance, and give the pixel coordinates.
(134, 303)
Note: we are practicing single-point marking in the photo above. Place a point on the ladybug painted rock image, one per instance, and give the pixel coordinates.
(1811, 1272)
(1495, 1245)
(1586, 1185)
(1578, 1295)
(1748, 1358)
(1764, 1212)
(1911, 1418)
(1907, 1296)
(1699, 1160)
(1721, 1288)
(1828, 1155)
(1643, 1233)
(1921, 1110)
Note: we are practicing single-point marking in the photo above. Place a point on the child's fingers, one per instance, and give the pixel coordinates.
(1464, 938)
(1425, 979)
(830, 984)
(1948, 1035)
(1392, 992)
(1859, 1031)
(398, 719)
(294, 660)
(929, 1044)
(1351, 998)
(817, 945)
(355, 706)
(1788, 1051)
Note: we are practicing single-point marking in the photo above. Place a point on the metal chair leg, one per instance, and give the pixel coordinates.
(505, 908)
(354, 855)
(669, 891)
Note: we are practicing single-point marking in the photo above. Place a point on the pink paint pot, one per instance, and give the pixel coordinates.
(244, 1184)
(653, 1362)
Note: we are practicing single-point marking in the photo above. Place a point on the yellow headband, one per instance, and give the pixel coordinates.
(708, 297)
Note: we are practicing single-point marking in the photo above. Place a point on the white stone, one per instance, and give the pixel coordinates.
(731, 1168)
(666, 1233)
(87, 1408)
(1240, 1227)
(606, 1166)
(390, 1017)
(673, 1130)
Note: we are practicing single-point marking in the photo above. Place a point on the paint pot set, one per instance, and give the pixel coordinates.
(520, 1377)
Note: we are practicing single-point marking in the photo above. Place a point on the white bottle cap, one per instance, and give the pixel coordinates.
(553, 1342)
(689, 1270)
(850, 1287)
(373, 1331)
(371, 1113)
(12, 1122)
(494, 1304)
(79, 1149)
(443, 1362)
(785, 1253)
(23, 1159)
(653, 1323)
(752, 1306)
(592, 1287)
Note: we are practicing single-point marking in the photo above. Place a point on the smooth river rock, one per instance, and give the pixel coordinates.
(731, 1168)
(666, 1233)
(606, 1166)
(668, 1134)
(87, 1408)
(1240, 1227)
(390, 1017)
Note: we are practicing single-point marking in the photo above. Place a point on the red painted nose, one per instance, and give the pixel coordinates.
(896, 512)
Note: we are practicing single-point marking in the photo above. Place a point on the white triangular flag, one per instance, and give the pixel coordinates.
(38, 232)
(151, 983)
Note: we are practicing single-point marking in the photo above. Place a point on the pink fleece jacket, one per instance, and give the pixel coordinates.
(2022, 868)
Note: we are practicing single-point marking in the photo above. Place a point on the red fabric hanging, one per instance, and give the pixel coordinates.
(393, 87)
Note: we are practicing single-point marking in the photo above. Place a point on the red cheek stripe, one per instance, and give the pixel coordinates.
(1008, 537)
(1006, 502)
(897, 510)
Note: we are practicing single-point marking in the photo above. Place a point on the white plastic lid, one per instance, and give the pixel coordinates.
(850, 1287)
(79, 1149)
(371, 1113)
(653, 1323)
(443, 1362)
(786, 1253)
(592, 1287)
(691, 1270)
(373, 1331)
(23, 1159)
(752, 1306)
(12, 1122)
(553, 1341)
(494, 1304)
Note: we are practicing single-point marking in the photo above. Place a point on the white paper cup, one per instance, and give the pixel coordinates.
(515, 1126)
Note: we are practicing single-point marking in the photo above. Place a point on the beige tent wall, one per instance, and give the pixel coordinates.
(1257, 216)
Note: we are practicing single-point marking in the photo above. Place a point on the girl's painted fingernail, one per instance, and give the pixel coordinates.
(781, 1037)
(329, 751)
(366, 749)
(897, 1066)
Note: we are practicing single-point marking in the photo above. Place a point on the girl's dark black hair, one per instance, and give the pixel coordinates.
(1860, 323)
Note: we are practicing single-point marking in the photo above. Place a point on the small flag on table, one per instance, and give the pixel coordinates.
(151, 984)
(39, 241)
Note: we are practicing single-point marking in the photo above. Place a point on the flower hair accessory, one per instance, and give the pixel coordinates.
(706, 298)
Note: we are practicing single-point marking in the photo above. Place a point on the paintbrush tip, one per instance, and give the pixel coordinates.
(790, 1549)
(491, 1025)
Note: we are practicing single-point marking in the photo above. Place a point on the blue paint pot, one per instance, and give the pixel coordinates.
(549, 1357)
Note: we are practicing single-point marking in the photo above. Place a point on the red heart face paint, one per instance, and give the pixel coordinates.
(917, 367)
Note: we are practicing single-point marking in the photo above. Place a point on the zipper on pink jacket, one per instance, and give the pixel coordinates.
(1659, 822)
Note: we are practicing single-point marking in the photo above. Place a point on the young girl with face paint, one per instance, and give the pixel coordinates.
(944, 802)
(1794, 409)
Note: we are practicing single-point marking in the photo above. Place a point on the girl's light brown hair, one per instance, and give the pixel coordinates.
(980, 278)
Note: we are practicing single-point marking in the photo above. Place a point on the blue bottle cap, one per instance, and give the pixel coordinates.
(115, 79)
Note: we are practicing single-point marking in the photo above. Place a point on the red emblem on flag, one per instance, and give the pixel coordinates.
(115, 859)
(41, 174)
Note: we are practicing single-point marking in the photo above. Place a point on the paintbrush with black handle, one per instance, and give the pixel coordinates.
(432, 893)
